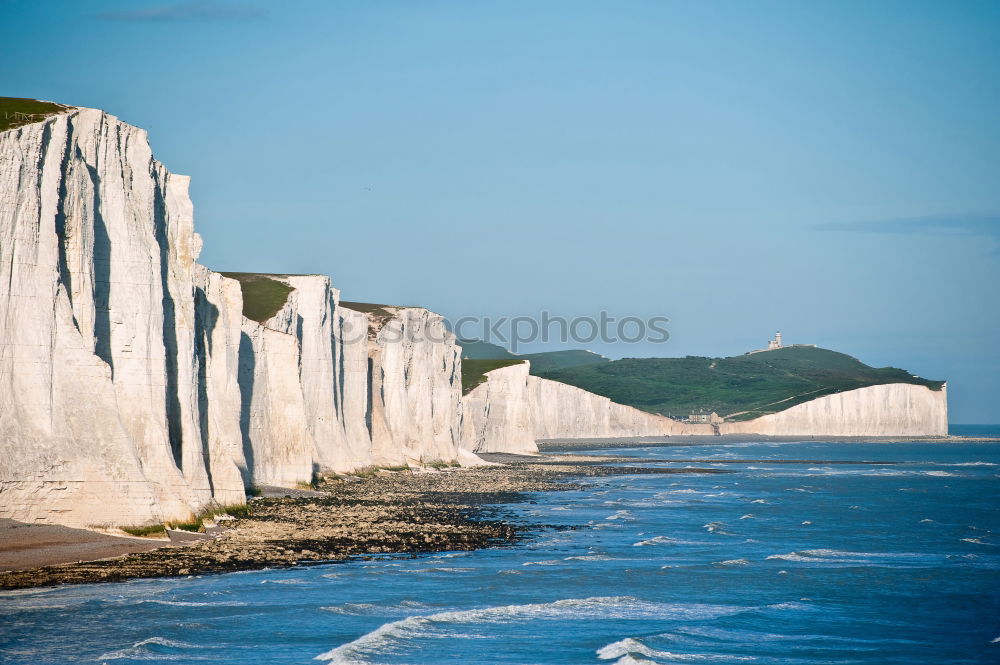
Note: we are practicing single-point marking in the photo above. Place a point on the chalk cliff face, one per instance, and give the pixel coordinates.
(133, 389)
(560, 411)
(416, 387)
(97, 366)
(496, 416)
(894, 409)
(512, 410)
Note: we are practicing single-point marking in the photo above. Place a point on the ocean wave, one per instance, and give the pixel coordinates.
(716, 527)
(751, 638)
(734, 562)
(853, 558)
(147, 650)
(633, 660)
(403, 608)
(390, 635)
(192, 603)
(632, 647)
(624, 515)
(667, 540)
(440, 569)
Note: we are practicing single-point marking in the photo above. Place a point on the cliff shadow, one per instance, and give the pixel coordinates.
(172, 399)
(102, 271)
(245, 379)
(206, 315)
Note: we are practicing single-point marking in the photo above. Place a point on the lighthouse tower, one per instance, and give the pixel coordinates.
(775, 343)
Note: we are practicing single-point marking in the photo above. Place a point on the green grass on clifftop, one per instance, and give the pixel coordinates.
(12, 108)
(479, 350)
(741, 387)
(474, 371)
(553, 360)
(263, 296)
(540, 362)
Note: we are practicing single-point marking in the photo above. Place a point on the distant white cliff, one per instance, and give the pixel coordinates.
(892, 409)
(512, 410)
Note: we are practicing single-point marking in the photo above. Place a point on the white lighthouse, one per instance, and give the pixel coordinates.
(775, 343)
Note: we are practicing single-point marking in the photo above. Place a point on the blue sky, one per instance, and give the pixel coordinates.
(831, 170)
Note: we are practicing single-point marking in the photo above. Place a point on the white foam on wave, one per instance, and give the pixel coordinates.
(667, 540)
(632, 660)
(389, 636)
(716, 527)
(858, 558)
(624, 515)
(734, 562)
(193, 603)
(402, 608)
(748, 516)
(141, 650)
(631, 647)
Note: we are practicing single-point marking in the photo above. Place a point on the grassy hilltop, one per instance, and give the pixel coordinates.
(480, 357)
(740, 387)
(737, 388)
(16, 111)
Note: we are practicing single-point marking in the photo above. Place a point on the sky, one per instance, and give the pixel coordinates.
(830, 170)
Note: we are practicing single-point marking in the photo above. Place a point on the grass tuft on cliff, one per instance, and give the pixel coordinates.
(474, 371)
(739, 388)
(17, 111)
(145, 531)
(263, 296)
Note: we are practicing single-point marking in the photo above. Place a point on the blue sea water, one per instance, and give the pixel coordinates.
(801, 563)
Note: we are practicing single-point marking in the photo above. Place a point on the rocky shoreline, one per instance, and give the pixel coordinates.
(348, 517)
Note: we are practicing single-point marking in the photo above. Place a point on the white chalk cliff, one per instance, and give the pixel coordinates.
(512, 410)
(133, 389)
(892, 409)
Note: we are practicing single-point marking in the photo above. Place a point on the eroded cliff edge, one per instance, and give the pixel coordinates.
(133, 389)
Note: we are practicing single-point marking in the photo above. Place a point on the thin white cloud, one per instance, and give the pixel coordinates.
(986, 226)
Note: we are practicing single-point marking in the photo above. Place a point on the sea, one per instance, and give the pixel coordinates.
(808, 553)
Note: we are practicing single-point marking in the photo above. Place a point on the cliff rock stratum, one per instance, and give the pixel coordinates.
(137, 386)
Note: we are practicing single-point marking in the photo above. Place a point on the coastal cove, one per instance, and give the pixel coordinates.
(805, 552)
